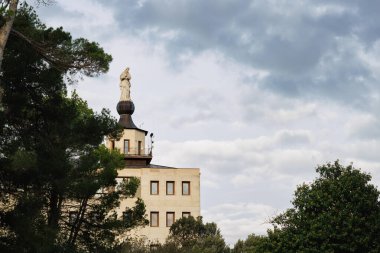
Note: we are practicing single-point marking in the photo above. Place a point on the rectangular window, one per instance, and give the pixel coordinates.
(169, 187)
(169, 218)
(121, 182)
(72, 217)
(112, 145)
(185, 188)
(139, 147)
(126, 146)
(186, 214)
(154, 222)
(154, 188)
(154, 247)
(94, 217)
(128, 217)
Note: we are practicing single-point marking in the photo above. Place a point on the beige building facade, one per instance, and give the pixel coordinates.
(169, 193)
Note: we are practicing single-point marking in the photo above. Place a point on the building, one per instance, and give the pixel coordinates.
(169, 193)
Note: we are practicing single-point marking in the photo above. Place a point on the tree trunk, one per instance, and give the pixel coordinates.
(4, 34)
(54, 209)
(78, 222)
(6, 28)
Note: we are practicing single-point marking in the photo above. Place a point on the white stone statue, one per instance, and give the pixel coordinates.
(125, 85)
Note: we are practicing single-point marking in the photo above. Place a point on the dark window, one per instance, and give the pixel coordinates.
(185, 188)
(122, 180)
(169, 218)
(169, 187)
(154, 219)
(128, 217)
(154, 247)
(126, 146)
(139, 147)
(154, 190)
(72, 217)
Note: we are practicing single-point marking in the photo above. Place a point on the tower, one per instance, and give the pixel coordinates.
(169, 193)
(133, 145)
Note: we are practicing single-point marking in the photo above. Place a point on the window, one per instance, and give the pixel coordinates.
(72, 217)
(185, 188)
(139, 147)
(154, 222)
(126, 180)
(94, 217)
(169, 218)
(186, 214)
(126, 146)
(169, 187)
(154, 247)
(128, 217)
(154, 188)
(122, 181)
(112, 145)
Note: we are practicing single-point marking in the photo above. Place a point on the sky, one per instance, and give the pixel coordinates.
(256, 94)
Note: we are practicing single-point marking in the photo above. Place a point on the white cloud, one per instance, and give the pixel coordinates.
(85, 18)
(256, 94)
(247, 217)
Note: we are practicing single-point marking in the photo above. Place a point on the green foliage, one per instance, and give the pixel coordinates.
(187, 235)
(72, 57)
(253, 244)
(338, 212)
(192, 235)
(54, 171)
(186, 231)
(5, 12)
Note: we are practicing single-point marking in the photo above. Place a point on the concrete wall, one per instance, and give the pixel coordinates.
(163, 203)
(134, 136)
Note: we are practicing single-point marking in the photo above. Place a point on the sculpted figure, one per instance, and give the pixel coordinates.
(125, 85)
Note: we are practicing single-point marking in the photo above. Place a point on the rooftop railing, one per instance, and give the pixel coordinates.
(147, 151)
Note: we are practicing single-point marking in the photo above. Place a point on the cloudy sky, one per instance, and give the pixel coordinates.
(255, 93)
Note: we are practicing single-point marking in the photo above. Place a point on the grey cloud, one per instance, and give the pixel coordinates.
(307, 53)
(294, 41)
(293, 138)
(366, 128)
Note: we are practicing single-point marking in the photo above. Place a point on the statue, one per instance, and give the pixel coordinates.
(125, 85)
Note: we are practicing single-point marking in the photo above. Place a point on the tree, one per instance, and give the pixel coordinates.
(338, 212)
(192, 235)
(253, 244)
(54, 173)
(8, 10)
(187, 235)
(67, 56)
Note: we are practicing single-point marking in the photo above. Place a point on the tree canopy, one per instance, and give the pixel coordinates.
(253, 244)
(338, 212)
(187, 235)
(54, 171)
(190, 234)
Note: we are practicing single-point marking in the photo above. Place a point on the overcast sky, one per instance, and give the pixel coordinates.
(255, 93)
